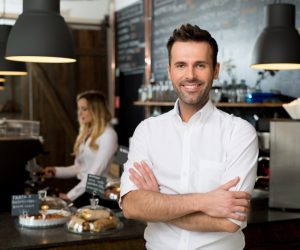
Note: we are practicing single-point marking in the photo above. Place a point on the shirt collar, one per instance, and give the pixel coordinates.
(204, 112)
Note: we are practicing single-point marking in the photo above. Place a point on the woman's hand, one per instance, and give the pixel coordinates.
(49, 172)
(143, 177)
(64, 196)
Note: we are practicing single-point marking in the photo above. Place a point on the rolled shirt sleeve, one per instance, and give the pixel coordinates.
(242, 159)
(137, 153)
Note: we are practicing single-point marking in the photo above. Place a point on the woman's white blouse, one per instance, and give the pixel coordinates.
(89, 161)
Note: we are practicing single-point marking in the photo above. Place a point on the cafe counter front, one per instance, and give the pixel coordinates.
(14, 236)
(14, 155)
(267, 229)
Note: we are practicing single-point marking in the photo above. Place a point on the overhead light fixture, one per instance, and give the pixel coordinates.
(2, 79)
(9, 67)
(2, 85)
(278, 46)
(40, 35)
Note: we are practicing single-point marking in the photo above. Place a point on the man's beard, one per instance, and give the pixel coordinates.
(199, 98)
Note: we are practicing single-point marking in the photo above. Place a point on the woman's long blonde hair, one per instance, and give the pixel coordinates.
(101, 116)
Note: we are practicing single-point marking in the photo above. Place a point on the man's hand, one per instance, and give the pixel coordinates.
(222, 202)
(219, 203)
(142, 176)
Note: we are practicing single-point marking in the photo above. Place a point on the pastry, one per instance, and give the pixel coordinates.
(112, 193)
(102, 225)
(45, 218)
(91, 215)
(93, 221)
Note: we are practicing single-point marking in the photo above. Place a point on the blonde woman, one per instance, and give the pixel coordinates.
(94, 147)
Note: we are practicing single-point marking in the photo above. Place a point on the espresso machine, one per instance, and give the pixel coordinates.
(284, 185)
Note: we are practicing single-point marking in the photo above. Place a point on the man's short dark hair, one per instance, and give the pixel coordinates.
(188, 32)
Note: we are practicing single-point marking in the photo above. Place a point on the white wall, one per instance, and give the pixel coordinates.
(120, 4)
(76, 11)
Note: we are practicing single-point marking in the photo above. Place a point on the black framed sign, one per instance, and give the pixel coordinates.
(95, 184)
(25, 204)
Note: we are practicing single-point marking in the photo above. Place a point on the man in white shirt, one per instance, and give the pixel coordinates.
(190, 172)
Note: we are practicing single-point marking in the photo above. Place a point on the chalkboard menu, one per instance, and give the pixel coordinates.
(212, 15)
(95, 184)
(130, 41)
(235, 24)
(25, 204)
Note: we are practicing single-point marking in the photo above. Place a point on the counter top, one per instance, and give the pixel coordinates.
(14, 237)
(272, 229)
(260, 213)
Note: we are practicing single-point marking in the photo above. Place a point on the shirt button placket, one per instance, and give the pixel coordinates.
(185, 160)
(184, 178)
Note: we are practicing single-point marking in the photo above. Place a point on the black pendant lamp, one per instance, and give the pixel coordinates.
(8, 67)
(2, 85)
(278, 46)
(40, 34)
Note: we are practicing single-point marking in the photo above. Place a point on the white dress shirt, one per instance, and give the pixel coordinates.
(212, 148)
(89, 161)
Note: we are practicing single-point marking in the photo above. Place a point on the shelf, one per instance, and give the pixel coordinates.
(220, 104)
(149, 103)
(249, 105)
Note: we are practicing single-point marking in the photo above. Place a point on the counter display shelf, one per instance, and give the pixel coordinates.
(13, 236)
(219, 104)
(267, 229)
(268, 109)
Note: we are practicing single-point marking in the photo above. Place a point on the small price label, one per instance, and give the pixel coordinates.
(95, 184)
(25, 204)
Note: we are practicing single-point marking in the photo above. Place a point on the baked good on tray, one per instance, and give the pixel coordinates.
(112, 190)
(53, 212)
(112, 193)
(45, 218)
(97, 220)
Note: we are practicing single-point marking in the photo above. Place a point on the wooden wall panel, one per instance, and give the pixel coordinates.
(92, 64)
(54, 91)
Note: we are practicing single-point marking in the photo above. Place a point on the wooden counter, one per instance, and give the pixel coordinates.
(268, 229)
(12, 236)
(272, 229)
